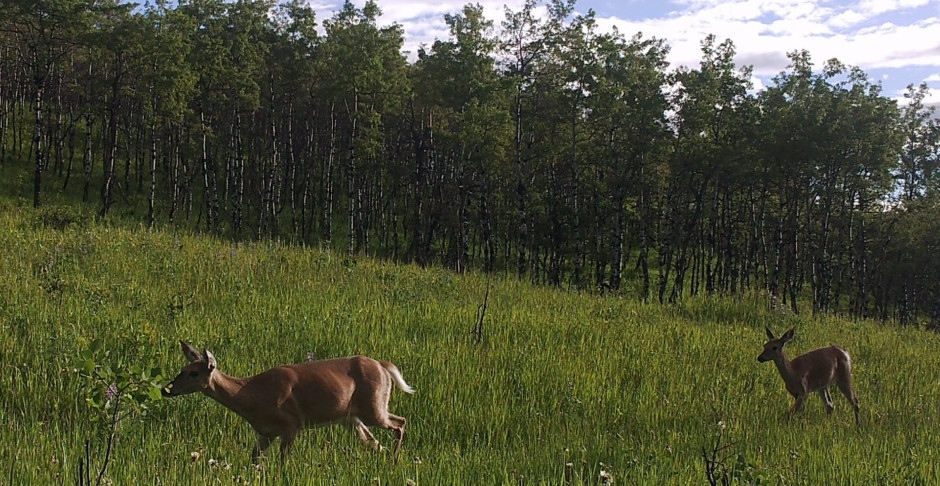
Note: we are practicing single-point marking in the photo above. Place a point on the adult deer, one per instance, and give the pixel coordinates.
(283, 400)
(811, 372)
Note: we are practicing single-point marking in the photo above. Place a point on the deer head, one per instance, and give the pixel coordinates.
(773, 349)
(194, 377)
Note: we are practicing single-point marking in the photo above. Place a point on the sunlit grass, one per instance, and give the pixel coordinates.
(564, 387)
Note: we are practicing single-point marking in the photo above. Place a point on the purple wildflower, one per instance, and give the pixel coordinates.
(111, 393)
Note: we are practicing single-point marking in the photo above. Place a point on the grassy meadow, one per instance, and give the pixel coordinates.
(567, 388)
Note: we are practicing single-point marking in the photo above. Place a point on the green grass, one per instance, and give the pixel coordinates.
(566, 385)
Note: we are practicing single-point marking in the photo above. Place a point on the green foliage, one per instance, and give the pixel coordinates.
(117, 386)
(60, 217)
(724, 467)
(115, 390)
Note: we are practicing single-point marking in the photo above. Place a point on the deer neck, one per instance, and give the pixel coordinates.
(225, 390)
(784, 367)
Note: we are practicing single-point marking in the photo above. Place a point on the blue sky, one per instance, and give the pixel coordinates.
(897, 42)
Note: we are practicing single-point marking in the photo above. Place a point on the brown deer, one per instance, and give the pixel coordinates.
(811, 372)
(283, 400)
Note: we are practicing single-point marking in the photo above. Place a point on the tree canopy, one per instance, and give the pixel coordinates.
(535, 145)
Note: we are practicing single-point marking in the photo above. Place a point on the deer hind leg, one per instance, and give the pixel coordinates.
(396, 424)
(363, 432)
(845, 385)
(827, 399)
(391, 422)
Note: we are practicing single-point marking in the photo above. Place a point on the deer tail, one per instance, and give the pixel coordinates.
(396, 376)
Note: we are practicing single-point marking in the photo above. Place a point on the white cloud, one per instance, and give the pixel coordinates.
(758, 84)
(395, 11)
(933, 78)
(857, 32)
(847, 18)
(763, 31)
(422, 22)
(932, 98)
(877, 7)
(406, 11)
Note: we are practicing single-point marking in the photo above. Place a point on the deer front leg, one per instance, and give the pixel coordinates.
(262, 443)
(287, 442)
(797, 405)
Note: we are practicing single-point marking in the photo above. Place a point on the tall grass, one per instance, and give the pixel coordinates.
(566, 388)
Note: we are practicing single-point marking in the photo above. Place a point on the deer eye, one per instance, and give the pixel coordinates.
(774, 348)
(193, 374)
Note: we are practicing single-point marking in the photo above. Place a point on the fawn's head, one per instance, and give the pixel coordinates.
(193, 377)
(774, 347)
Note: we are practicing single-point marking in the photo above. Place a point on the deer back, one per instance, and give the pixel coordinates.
(819, 368)
(316, 392)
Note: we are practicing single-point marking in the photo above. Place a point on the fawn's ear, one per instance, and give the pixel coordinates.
(770, 334)
(190, 352)
(788, 335)
(209, 359)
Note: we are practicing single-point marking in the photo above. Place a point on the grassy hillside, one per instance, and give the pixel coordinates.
(566, 388)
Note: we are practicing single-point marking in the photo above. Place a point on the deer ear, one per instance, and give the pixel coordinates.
(788, 335)
(770, 334)
(190, 352)
(209, 359)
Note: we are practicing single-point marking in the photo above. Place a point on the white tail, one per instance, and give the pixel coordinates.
(811, 372)
(283, 400)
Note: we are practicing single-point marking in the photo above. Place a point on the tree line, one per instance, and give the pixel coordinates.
(536, 145)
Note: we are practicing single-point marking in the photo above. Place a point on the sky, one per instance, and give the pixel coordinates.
(896, 42)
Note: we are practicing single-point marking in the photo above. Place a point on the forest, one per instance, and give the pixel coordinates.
(534, 145)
